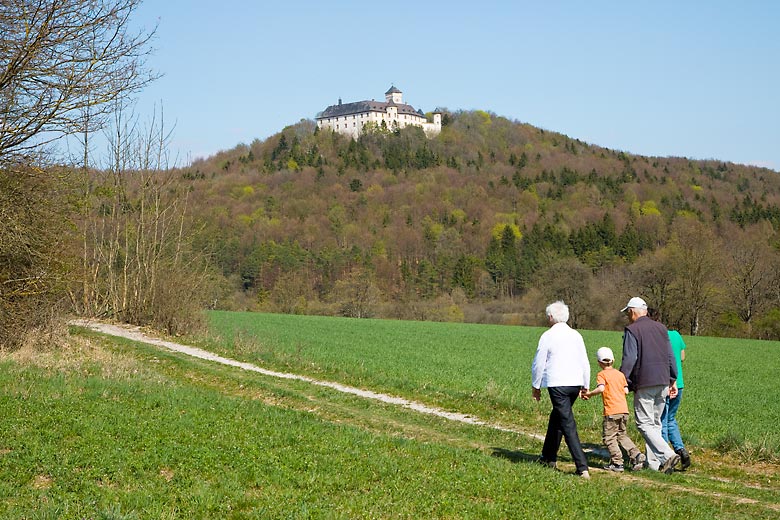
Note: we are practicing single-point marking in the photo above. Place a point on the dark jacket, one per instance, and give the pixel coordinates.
(647, 355)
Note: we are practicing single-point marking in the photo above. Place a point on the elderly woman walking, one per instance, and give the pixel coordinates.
(561, 365)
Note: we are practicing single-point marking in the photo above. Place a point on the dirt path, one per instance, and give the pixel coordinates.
(135, 334)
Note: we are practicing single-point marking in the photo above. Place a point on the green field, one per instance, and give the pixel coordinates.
(108, 428)
(485, 370)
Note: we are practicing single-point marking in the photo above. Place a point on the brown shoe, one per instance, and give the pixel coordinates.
(639, 462)
(669, 464)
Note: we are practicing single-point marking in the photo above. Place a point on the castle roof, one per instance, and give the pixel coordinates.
(393, 90)
(359, 107)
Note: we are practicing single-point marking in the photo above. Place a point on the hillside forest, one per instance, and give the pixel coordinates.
(487, 222)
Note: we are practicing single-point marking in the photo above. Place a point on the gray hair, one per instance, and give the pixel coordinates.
(558, 312)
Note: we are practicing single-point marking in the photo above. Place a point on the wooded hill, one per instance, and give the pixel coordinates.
(488, 222)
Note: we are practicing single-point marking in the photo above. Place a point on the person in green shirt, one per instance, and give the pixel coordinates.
(670, 429)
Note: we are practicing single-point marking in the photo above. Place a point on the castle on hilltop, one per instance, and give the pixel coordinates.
(350, 118)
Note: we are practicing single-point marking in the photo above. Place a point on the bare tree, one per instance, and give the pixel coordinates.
(747, 273)
(654, 276)
(569, 280)
(62, 65)
(357, 294)
(694, 255)
(139, 265)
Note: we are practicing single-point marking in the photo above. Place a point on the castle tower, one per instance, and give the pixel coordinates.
(394, 96)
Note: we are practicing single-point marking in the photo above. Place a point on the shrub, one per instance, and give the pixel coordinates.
(33, 230)
(768, 326)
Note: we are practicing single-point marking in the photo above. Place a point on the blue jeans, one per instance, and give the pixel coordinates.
(669, 428)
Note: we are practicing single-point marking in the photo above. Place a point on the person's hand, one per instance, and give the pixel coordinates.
(584, 394)
(673, 390)
(536, 393)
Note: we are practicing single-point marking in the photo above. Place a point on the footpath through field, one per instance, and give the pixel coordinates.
(136, 334)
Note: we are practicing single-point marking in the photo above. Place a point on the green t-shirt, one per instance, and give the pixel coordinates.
(678, 345)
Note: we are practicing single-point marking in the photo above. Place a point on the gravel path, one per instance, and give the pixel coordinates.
(135, 334)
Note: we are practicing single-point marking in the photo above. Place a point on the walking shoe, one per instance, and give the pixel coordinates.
(585, 474)
(685, 458)
(638, 463)
(614, 467)
(669, 464)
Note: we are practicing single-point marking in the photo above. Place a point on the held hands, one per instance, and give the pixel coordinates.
(536, 393)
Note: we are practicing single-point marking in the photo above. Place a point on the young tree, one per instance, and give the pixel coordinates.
(139, 262)
(356, 294)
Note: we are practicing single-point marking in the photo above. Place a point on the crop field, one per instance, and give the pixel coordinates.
(485, 370)
(110, 428)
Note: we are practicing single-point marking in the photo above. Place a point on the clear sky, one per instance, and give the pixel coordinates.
(698, 79)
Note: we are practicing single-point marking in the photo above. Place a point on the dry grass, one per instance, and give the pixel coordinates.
(60, 352)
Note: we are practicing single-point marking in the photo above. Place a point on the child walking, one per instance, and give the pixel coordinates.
(612, 386)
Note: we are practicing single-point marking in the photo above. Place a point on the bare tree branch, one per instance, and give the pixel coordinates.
(59, 58)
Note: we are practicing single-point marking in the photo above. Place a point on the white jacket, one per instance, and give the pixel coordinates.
(561, 359)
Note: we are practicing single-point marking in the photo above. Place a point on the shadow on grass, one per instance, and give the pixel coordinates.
(513, 455)
(594, 453)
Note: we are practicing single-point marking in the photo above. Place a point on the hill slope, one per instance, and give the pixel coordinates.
(484, 223)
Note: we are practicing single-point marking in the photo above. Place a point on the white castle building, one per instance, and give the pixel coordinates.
(350, 118)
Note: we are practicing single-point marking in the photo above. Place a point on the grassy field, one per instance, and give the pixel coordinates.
(485, 370)
(107, 428)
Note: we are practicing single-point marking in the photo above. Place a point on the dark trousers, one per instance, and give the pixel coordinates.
(563, 425)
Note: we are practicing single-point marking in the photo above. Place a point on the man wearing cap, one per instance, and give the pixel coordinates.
(561, 365)
(651, 371)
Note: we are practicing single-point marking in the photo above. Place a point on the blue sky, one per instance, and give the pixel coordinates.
(697, 79)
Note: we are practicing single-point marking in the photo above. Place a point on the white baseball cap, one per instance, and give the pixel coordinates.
(635, 303)
(605, 354)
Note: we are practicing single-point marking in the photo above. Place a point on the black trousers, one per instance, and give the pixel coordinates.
(563, 425)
